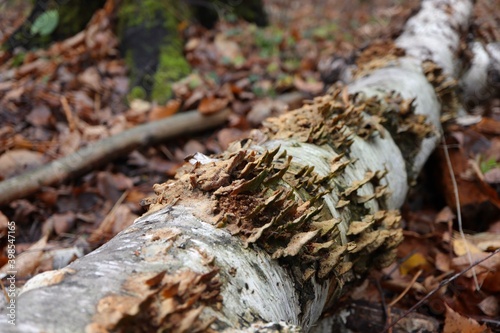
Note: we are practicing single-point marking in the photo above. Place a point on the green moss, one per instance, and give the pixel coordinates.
(133, 13)
(137, 93)
(154, 47)
(172, 66)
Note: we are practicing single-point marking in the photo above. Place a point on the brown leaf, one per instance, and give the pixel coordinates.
(4, 222)
(210, 105)
(266, 108)
(40, 115)
(63, 222)
(14, 95)
(490, 306)
(163, 111)
(226, 48)
(313, 87)
(29, 260)
(488, 126)
(492, 176)
(16, 161)
(456, 323)
(228, 135)
(91, 79)
(442, 262)
(123, 218)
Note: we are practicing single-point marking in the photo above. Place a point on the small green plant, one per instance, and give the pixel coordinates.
(268, 41)
(46, 23)
(489, 164)
(326, 31)
(137, 93)
(18, 59)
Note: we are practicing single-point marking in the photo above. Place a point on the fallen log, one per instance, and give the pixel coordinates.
(268, 235)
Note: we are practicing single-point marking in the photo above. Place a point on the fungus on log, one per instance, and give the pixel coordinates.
(269, 234)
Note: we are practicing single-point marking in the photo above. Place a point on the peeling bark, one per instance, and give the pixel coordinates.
(268, 235)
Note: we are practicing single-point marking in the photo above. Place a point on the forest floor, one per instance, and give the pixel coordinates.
(74, 93)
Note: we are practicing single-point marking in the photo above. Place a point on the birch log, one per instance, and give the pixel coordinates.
(268, 235)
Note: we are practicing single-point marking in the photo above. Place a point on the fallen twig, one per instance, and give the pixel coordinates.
(103, 151)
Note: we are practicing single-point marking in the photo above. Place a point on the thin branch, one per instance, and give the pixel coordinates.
(459, 210)
(104, 151)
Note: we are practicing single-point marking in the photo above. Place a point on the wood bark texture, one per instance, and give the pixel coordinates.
(267, 236)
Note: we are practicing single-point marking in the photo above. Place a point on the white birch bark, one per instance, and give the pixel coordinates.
(482, 80)
(175, 265)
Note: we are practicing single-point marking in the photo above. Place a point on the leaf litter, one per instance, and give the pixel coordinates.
(57, 100)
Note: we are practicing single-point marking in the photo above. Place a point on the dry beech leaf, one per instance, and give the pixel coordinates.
(461, 247)
(139, 106)
(4, 222)
(210, 105)
(16, 161)
(442, 262)
(456, 323)
(63, 223)
(485, 241)
(28, 261)
(314, 87)
(445, 215)
(40, 115)
(91, 78)
(490, 306)
(163, 111)
(492, 176)
(226, 48)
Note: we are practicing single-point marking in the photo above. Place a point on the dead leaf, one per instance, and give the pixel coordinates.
(28, 261)
(123, 218)
(264, 109)
(210, 105)
(91, 79)
(488, 126)
(415, 262)
(456, 323)
(490, 306)
(14, 162)
(445, 215)
(462, 247)
(442, 262)
(490, 264)
(492, 176)
(14, 95)
(228, 135)
(163, 111)
(62, 223)
(4, 222)
(40, 115)
(485, 241)
(313, 87)
(226, 48)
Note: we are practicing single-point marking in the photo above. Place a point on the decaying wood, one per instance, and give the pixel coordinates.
(105, 150)
(267, 236)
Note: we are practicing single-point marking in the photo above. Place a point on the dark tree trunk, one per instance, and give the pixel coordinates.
(73, 16)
